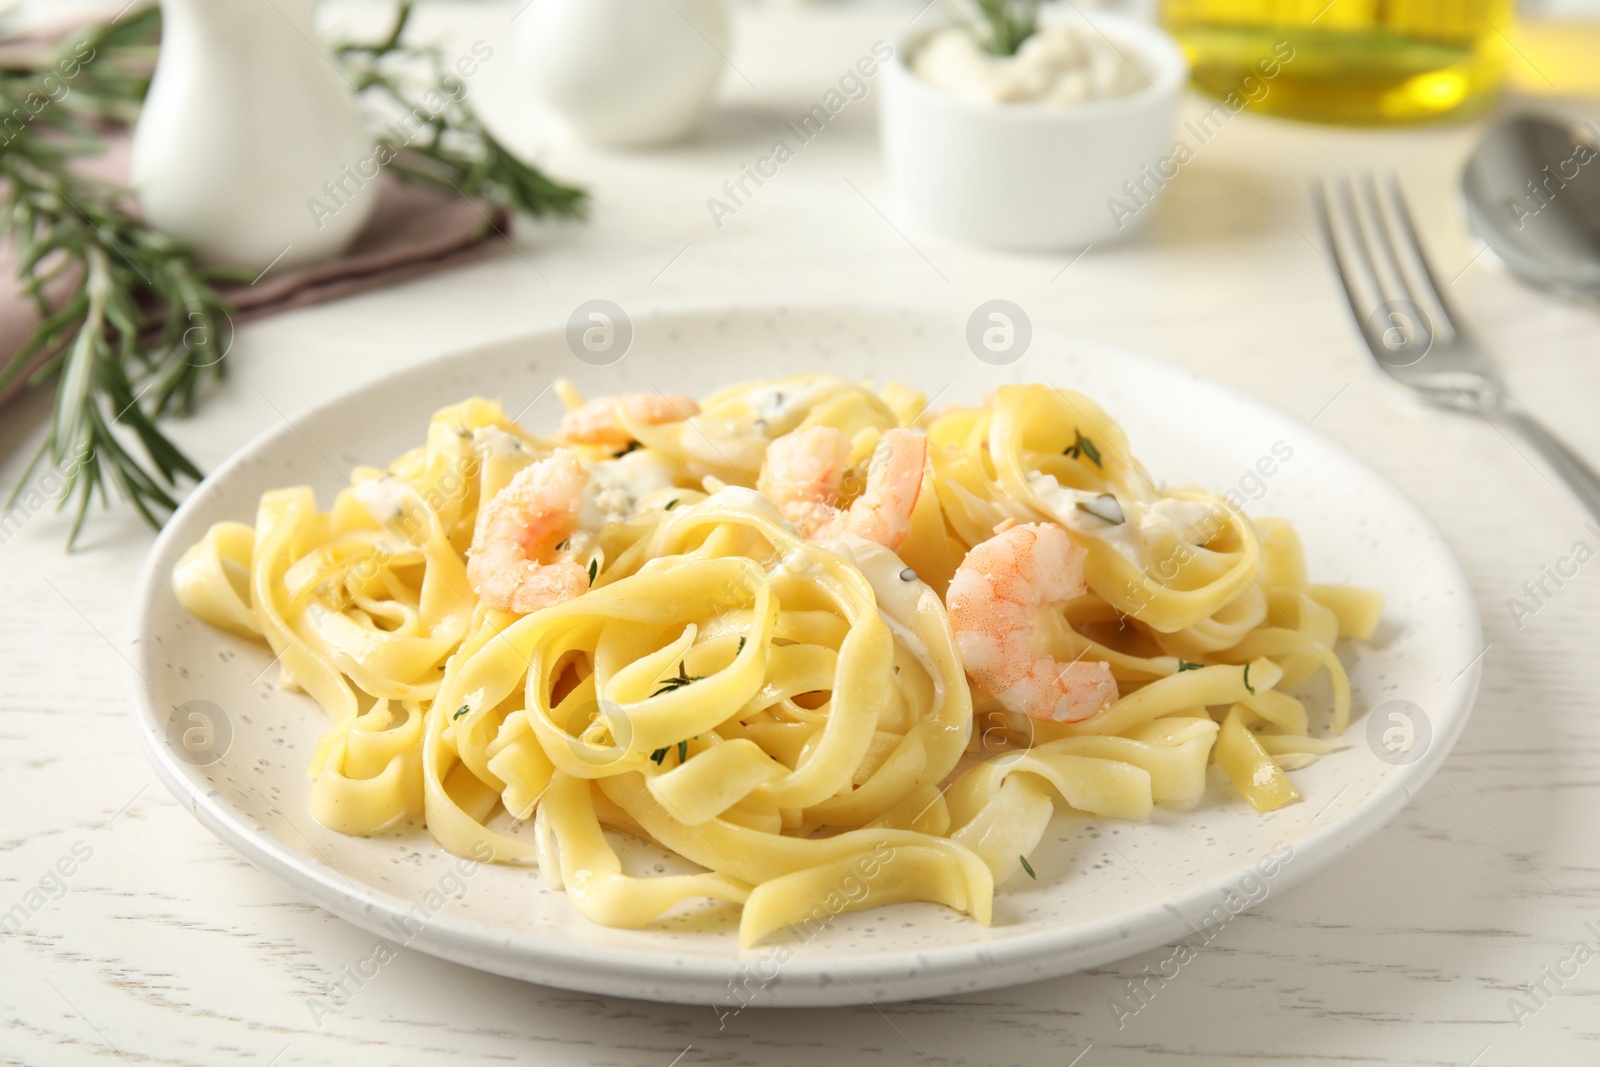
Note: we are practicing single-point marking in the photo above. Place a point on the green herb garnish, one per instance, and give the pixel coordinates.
(1185, 665)
(1247, 684)
(462, 710)
(683, 678)
(740, 648)
(671, 504)
(661, 753)
(594, 569)
(1104, 507)
(1028, 867)
(1083, 448)
(1009, 22)
(632, 446)
(457, 153)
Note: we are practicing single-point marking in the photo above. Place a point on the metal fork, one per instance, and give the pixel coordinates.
(1413, 332)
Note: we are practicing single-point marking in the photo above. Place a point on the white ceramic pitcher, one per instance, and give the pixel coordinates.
(626, 72)
(250, 142)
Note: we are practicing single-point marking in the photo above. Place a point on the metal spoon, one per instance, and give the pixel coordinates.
(1532, 189)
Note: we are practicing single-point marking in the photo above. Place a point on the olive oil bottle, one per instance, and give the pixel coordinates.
(1357, 62)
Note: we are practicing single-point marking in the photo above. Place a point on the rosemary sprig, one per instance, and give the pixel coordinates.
(131, 326)
(452, 149)
(99, 75)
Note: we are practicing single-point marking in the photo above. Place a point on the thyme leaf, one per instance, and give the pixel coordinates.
(682, 679)
(1083, 448)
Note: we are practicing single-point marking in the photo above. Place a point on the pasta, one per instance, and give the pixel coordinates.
(783, 689)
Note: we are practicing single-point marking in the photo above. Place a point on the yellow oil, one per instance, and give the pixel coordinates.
(1555, 57)
(1356, 62)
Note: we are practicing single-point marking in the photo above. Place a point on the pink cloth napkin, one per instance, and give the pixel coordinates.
(413, 231)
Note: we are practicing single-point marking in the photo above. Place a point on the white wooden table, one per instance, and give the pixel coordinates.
(163, 947)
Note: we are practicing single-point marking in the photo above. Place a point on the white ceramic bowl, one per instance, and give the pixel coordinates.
(1030, 176)
(626, 72)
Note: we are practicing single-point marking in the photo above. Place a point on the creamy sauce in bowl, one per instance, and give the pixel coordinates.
(1059, 66)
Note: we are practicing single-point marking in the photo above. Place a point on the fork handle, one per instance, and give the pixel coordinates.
(1579, 476)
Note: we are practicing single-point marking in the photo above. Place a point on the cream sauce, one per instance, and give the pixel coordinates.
(1059, 66)
(616, 487)
(1164, 518)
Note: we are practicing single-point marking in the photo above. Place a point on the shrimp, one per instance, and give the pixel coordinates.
(535, 512)
(882, 512)
(993, 600)
(804, 472)
(597, 422)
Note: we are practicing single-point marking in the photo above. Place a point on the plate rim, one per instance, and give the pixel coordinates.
(800, 982)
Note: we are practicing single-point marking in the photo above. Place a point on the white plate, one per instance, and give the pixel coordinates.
(1103, 892)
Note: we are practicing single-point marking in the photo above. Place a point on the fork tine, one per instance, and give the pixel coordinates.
(1408, 230)
(1385, 241)
(1361, 252)
(1341, 264)
(1359, 230)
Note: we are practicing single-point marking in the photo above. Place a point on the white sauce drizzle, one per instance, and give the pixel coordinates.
(617, 485)
(492, 442)
(1194, 521)
(384, 497)
(899, 600)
